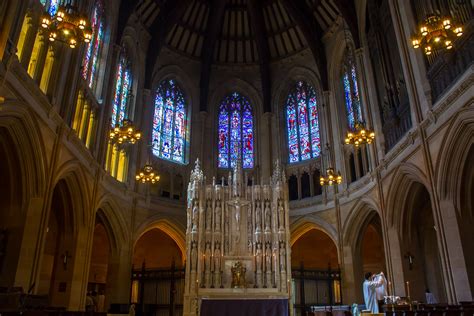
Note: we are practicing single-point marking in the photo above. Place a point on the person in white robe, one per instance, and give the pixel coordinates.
(370, 295)
(381, 291)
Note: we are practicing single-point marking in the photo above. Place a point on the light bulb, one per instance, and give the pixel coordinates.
(446, 24)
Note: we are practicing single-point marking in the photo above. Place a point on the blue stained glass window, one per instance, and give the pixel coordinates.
(302, 123)
(123, 85)
(169, 122)
(52, 5)
(351, 93)
(235, 132)
(91, 59)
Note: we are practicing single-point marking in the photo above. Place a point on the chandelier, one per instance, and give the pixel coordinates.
(125, 133)
(436, 32)
(147, 175)
(331, 178)
(67, 26)
(360, 135)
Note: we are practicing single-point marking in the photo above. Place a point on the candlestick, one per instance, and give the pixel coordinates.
(389, 287)
(408, 288)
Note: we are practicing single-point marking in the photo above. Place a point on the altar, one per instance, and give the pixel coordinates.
(237, 244)
(244, 307)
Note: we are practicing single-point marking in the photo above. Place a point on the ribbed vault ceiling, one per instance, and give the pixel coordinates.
(238, 31)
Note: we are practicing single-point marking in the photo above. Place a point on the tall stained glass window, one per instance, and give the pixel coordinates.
(92, 55)
(51, 6)
(302, 123)
(351, 92)
(235, 132)
(169, 122)
(122, 90)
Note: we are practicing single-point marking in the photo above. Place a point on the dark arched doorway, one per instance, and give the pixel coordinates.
(158, 274)
(315, 272)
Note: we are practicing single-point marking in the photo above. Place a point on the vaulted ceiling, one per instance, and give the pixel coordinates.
(238, 32)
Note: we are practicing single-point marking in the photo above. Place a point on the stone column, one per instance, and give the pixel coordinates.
(456, 252)
(266, 144)
(118, 276)
(367, 104)
(368, 91)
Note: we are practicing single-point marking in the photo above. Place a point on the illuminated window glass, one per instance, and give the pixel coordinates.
(302, 123)
(90, 64)
(351, 92)
(123, 85)
(236, 135)
(169, 122)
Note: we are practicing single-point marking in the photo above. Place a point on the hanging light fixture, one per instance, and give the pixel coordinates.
(360, 135)
(67, 26)
(435, 33)
(331, 177)
(125, 133)
(147, 175)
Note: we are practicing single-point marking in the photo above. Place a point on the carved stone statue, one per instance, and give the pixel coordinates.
(282, 257)
(195, 215)
(193, 255)
(218, 216)
(208, 256)
(281, 214)
(238, 275)
(208, 215)
(268, 257)
(267, 216)
(258, 217)
(217, 257)
(259, 255)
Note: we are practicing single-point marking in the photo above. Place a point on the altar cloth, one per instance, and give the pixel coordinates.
(244, 307)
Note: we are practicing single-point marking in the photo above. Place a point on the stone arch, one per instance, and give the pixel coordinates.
(455, 184)
(410, 216)
(304, 233)
(454, 152)
(309, 222)
(111, 217)
(404, 176)
(360, 215)
(26, 137)
(74, 175)
(174, 230)
(364, 216)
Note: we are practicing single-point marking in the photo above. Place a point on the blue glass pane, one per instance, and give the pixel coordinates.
(235, 132)
(169, 122)
(302, 123)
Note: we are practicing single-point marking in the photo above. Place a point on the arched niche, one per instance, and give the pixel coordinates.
(419, 245)
(156, 249)
(314, 250)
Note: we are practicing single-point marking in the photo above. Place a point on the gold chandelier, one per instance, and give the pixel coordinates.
(359, 136)
(436, 32)
(125, 133)
(67, 26)
(147, 175)
(331, 177)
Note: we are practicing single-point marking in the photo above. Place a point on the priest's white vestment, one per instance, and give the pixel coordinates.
(370, 295)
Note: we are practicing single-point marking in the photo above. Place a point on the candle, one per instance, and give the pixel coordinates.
(389, 287)
(408, 289)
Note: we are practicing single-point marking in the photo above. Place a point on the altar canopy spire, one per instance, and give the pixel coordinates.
(237, 224)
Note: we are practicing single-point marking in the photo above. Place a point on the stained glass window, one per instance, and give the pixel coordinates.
(92, 55)
(169, 122)
(122, 90)
(351, 92)
(235, 132)
(51, 6)
(302, 123)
